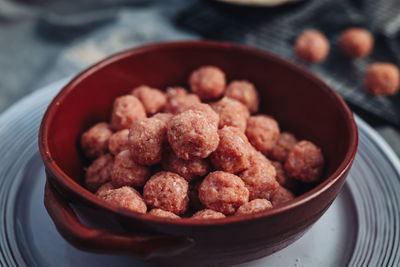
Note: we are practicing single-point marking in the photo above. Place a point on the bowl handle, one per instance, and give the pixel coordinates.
(104, 241)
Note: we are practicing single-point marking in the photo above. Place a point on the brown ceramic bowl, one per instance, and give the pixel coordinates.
(302, 103)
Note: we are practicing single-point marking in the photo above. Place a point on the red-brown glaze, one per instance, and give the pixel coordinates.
(105, 241)
(256, 235)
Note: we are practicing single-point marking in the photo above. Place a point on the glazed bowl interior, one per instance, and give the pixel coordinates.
(300, 102)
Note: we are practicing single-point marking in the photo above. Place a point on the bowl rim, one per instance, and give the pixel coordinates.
(68, 183)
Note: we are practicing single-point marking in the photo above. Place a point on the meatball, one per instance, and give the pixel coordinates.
(254, 206)
(153, 100)
(99, 172)
(305, 162)
(223, 192)
(208, 82)
(104, 189)
(94, 142)
(146, 140)
(231, 113)
(312, 46)
(167, 191)
(178, 98)
(356, 42)
(126, 197)
(208, 214)
(127, 172)
(206, 110)
(188, 169)
(118, 142)
(257, 158)
(163, 213)
(263, 132)
(259, 178)
(195, 202)
(382, 79)
(233, 152)
(244, 92)
(127, 109)
(178, 104)
(282, 146)
(174, 91)
(282, 178)
(192, 136)
(281, 195)
(165, 117)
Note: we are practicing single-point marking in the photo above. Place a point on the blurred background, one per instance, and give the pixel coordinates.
(42, 41)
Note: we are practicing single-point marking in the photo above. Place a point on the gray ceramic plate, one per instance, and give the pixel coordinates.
(361, 228)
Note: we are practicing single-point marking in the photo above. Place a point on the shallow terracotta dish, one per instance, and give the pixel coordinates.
(301, 103)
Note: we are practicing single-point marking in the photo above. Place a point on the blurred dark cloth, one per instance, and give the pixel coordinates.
(276, 29)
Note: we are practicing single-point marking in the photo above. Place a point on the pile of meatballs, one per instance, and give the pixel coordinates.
(200, 155)
(380, 78)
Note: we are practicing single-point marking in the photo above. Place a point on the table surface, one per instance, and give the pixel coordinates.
(44, 41)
